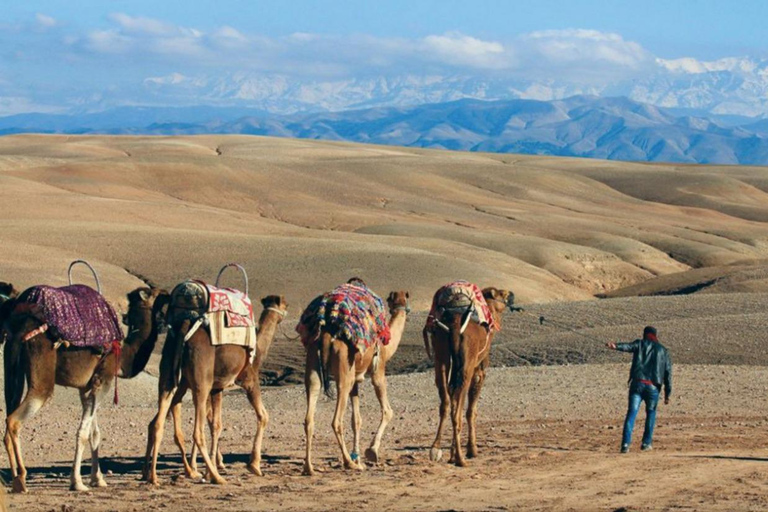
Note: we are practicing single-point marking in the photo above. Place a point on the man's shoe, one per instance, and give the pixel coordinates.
(647, 447)
(624, 448)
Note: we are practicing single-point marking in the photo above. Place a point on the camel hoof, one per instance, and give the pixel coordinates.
(461, 463)
(79, 487)
(221, 468)
(98, 482)
(471, 452)
(372, 456)
(153, 480)
(195, 475)
(308, 470)
(218, 480)
(361, 465)
(19, 486)
(435, 454)
(255, 469)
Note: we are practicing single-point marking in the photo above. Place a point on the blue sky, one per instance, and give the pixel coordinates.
(56, 53)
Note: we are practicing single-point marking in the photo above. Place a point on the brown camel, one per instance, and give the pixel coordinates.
(461, 361)
(207, 370)
(40, 362)
(348, 367)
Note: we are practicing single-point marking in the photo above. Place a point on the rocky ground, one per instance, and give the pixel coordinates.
(548, 440)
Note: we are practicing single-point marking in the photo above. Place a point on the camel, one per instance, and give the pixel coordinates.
(41, 362)
(461, 361)
(207, 370)
(328, 356)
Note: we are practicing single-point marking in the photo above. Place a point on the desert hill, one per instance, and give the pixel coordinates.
(304, 215)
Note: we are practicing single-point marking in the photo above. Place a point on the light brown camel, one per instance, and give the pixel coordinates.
(348, 368)
(207, 370)
(39, 362)
(460, 364)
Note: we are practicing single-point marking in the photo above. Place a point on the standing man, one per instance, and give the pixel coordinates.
(651, 366)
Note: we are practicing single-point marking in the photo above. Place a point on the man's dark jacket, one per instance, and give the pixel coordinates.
(650, 361)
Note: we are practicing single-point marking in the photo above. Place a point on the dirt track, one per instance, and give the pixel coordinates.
(548, 439)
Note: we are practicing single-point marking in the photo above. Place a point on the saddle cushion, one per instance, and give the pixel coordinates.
(352, 313)
(227, 313)
(77, 313)
(460, 295)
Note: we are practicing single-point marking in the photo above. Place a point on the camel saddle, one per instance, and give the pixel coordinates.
(76, 314)
(226, 312)
(458, 297)
(351, 312)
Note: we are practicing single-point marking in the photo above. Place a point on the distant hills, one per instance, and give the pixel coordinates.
(583, 126)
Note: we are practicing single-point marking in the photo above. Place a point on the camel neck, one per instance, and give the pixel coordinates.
(137, 347)
(396, 328)
(267, 329)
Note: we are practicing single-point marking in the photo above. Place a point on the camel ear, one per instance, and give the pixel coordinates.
(407, 295)
(391, 297)
(281, 301)
(143, 295)
(490, 292)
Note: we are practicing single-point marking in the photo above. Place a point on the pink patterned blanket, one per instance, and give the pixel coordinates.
(236, 305)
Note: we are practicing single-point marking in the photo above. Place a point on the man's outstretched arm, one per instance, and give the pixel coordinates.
(623, 347)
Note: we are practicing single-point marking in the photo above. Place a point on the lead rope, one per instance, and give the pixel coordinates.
(117, 349)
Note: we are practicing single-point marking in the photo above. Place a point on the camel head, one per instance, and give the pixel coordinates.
(7, 292)
(276, 304)
(398, 301)
(147, 308)
(498, 299)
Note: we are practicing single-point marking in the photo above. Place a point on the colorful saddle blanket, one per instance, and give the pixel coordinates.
(351, 312)
(461, 294)
(77, 313)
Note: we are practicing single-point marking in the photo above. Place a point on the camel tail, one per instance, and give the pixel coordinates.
(457, 347)
(14, 374)
(325, 362)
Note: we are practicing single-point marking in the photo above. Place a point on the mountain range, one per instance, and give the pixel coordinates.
(584, 126)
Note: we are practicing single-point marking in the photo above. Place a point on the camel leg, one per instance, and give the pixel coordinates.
(190, 466)
(357, 424)
(344, 374)
(97, 478)
(474, 396)
(209, 417)
(312, 386)
(215, 425)
(441, 381)
(379, 380)
(200, 394)
(156, 433)
(457, 405)
(254, 396)
(28, 407)
(90, 402)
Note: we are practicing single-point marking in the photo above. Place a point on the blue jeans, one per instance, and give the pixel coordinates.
(649, 394)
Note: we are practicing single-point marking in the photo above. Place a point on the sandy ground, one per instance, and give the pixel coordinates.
(682, 247)
(548, 439)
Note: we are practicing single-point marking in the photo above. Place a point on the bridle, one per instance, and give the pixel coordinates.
(280, 312)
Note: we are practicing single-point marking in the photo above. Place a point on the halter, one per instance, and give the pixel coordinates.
(278, 311)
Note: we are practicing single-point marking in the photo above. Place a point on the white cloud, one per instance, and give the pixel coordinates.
(459, 49)
(580, 50)
(45, 21)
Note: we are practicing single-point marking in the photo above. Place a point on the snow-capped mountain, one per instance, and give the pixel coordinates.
(725, 87)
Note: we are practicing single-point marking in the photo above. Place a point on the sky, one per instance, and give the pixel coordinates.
(56, 54)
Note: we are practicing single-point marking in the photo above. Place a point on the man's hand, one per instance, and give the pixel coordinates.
(611, 345)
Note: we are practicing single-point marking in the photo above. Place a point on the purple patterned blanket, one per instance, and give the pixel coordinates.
(79, 314)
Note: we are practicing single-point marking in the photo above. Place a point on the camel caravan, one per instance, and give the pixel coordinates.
(71, 336)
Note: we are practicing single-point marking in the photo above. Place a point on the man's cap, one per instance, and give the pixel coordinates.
(649, 330)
